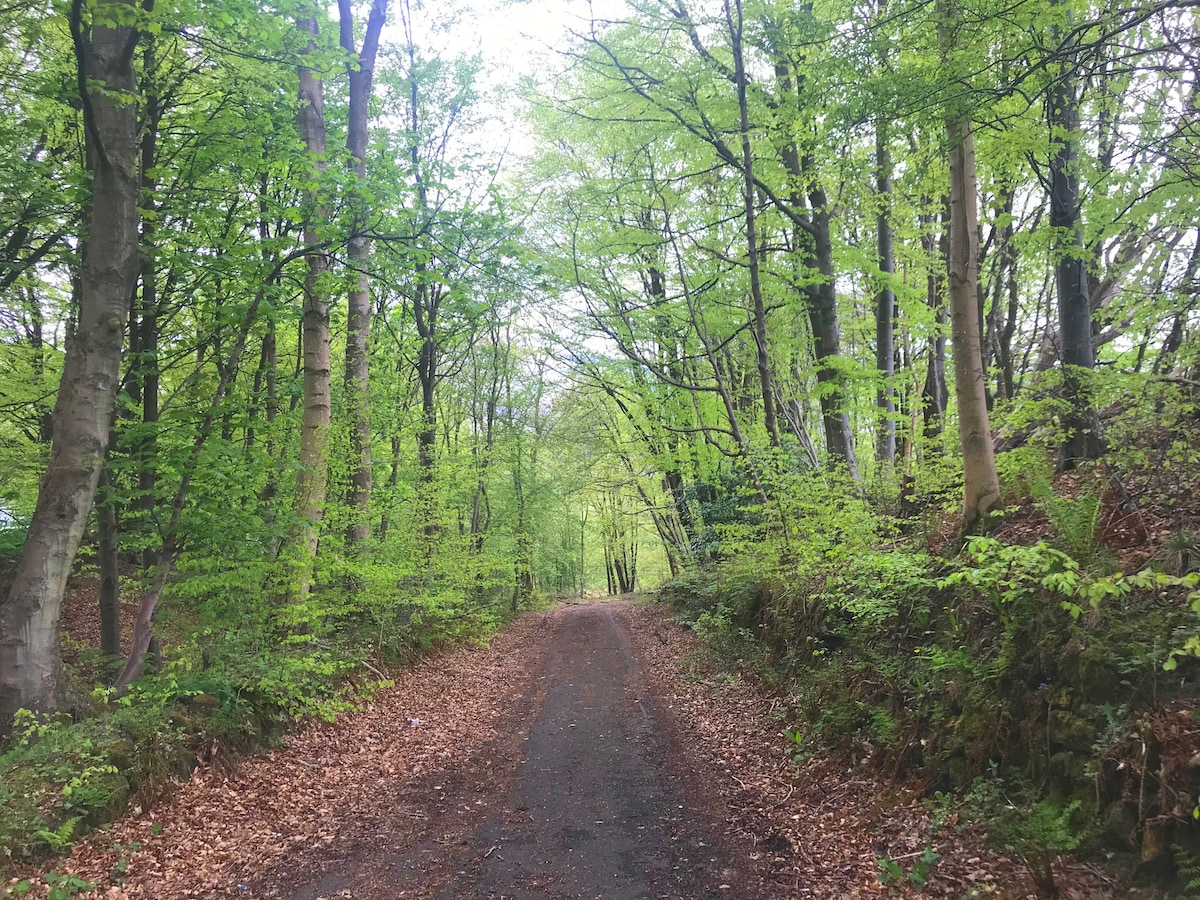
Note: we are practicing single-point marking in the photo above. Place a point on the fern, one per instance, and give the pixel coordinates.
(1188, 864)
(1076, 522)
(60, 838)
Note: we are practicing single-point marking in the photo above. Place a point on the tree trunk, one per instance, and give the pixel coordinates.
(734, 19)
(885, 303)
(145, 361)
(360, 70)
(312, 480)
(1006, 382)
(827, 338)
(935, 396)
(582, 550)
(981, 486)
(83, 412)
(816, 245)
(1081, 423)
(427, 435)
(110, 576)
(142, 640)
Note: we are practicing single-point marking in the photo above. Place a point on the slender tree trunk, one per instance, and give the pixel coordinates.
(1008, 298)
(827, 338)
(885, 303)
(426, 303)
(734, 19)
(110, 575)
(427, 363)
(359, 70)
(1081, 423)
(145, 362)
(270, 361)
(83, 412)
(935, 395)
(981, 486)
(312, 480)
(142, 640)
(816, 244)
(583, 550)
(44, 433)
(393, 480)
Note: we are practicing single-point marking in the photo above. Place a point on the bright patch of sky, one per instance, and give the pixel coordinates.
(517, 41)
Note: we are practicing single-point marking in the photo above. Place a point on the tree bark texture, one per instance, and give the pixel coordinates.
(1082, 425)
(312, 480)
(885, 303)
(981, 486)
(144, 328)
(358, 253)
(827, 338)
(83, 412)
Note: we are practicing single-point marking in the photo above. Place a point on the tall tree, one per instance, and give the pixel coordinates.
(360, 69)
(313, 478)
(885, 301)
(1076, 353)
(736, 23)
(981, 484)
(84, 410)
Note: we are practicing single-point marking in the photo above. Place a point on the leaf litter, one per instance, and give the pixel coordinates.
(324, 790)
(811, 829)
(818, 827)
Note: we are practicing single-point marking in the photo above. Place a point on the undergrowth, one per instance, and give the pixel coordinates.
(240, 670)
(1043, 691)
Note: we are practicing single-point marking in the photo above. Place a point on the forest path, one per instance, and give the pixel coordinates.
(589, 752)
(590, 811)
(542, 766)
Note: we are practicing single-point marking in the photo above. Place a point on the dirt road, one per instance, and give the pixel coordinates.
(589, 752)
(592, 809)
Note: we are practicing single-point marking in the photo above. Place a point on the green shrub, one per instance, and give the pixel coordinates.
(56, 779)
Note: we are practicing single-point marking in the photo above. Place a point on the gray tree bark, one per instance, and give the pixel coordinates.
(981, 485)
(313, 478)
(360, 71)
(83, 412)
(734, 19)
(1081, 423)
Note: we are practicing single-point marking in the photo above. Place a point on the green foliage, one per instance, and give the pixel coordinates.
(12, 538)
(893, 873)
(63, 885)
(1013, 577)
(544, 449)
(719, 628)
(795, 746)
(1038, 832)
(1076, 522)
(1188, 864)
(1026, 471)
(55, 779)
(60, 886)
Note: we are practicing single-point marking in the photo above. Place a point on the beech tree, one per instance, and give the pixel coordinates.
(83, 411)
(981, 484)
(360, 69)
(313, 478)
